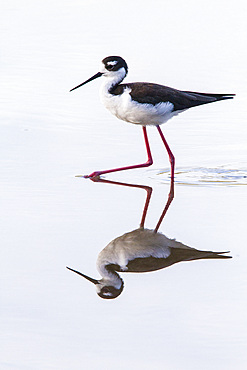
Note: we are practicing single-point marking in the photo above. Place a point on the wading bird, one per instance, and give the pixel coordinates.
(144, 104)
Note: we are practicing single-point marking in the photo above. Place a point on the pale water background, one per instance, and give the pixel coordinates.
(189, 316)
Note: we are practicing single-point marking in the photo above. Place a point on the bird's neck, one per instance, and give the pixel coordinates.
(111, 81)
(109, 274)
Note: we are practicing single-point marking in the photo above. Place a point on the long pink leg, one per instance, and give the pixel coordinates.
(169, 200)
(145, 187)
(144, 213)
(171, 156)
(148, 197)
(146, 164)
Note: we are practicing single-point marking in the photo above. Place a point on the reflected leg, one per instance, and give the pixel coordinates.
(147, 188)
(169, 200)
(149, 193)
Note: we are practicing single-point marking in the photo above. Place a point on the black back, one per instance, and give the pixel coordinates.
(150, 93)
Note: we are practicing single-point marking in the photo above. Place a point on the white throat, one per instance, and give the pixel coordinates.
(112, 78)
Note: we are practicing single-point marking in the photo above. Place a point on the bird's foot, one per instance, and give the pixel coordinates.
(93, 176)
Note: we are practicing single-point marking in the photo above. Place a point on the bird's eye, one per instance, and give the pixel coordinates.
(105, 290)
(110, 65)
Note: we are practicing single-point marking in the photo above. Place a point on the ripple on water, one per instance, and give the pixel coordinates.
(222, 175)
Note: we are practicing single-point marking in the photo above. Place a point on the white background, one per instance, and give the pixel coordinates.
(189, 316)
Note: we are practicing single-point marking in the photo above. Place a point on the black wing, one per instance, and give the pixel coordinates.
(150, 263)
(150, 93)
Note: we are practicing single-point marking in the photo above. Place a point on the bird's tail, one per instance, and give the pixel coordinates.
(215, 96)
(216, 255)
(208, 255)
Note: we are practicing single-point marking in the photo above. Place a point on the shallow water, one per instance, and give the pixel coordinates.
(223, 175)
(191, 315)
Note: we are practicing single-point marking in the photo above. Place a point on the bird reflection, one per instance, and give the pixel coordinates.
(140, 250)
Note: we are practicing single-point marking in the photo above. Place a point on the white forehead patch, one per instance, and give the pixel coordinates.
(113, 63)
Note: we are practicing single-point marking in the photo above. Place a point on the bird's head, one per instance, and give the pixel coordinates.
(113, 67)
(105, 288)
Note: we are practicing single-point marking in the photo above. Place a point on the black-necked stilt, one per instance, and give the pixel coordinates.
(144, 103)
(141, 250)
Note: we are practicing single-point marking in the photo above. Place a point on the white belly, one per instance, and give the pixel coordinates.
(140, 243)
(128, 110)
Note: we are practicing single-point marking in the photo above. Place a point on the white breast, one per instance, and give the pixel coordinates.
(124, 108)
(140, 243)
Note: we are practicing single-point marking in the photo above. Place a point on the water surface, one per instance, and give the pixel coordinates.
(188, 316)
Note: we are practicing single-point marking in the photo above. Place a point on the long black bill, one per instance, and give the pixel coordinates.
(85, 276)
(90, 79)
